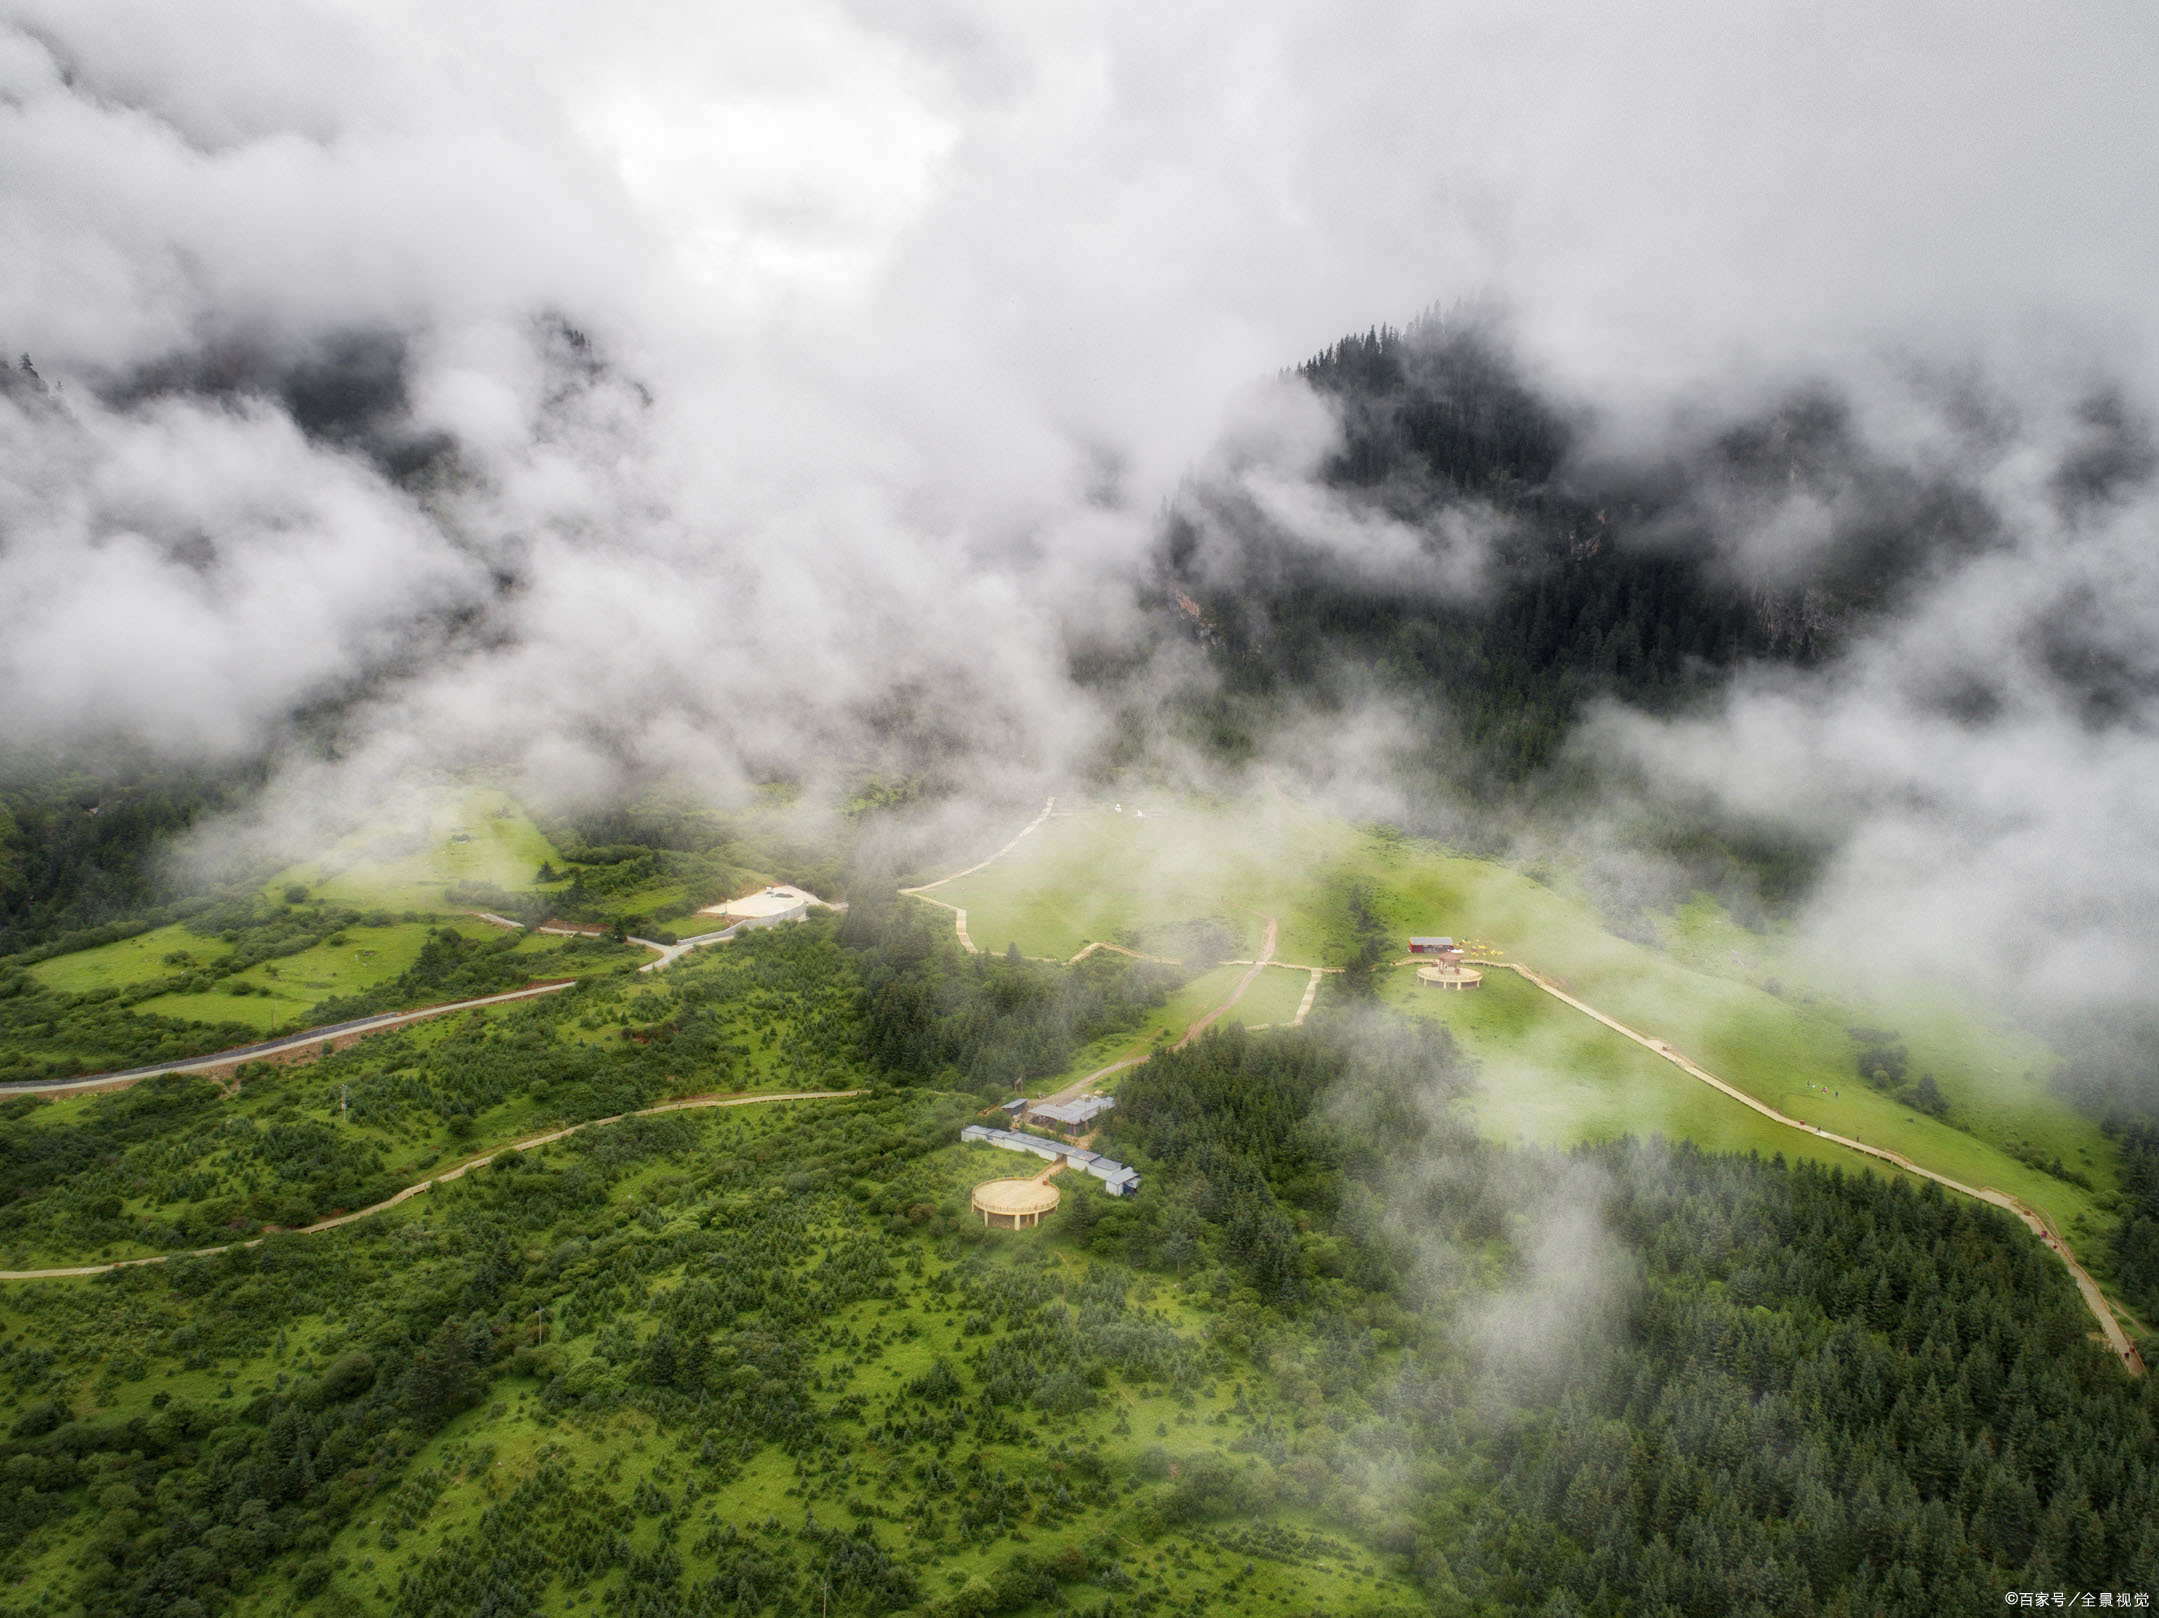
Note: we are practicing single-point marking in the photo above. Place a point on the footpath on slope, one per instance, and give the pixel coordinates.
(1259, 964)
(959, 913)
(668, 953)
(2094, 1299)
(529, 1143)
(336, 1033)
(1200, 1024)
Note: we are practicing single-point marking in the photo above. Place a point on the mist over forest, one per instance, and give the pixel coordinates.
(625, 445)
(1699, 468)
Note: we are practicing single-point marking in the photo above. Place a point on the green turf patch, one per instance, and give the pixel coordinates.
(286, 990)
(479, 836)
(1273, 997)
(145, 958)
(1740, 1004)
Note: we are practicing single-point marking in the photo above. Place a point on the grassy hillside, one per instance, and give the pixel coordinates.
(340, 933)
(129, 961)
(470, 836)
(1099, 874)
(1338, 1356)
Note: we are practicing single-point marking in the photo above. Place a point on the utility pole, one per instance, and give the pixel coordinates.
(344, 1099)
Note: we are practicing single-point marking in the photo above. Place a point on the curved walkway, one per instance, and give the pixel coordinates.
(1118, 949)
(2117, 1339)
(529, 1143)
(1200, 1024)
(279, 1046)
(1266, 955)
(959, 914)
(668, 953)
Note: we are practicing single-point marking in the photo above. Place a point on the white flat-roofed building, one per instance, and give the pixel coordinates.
(780, 902)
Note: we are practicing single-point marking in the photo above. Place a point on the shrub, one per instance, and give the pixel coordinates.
(348, 1375)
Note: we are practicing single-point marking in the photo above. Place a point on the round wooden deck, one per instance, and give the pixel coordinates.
(1014, 1204)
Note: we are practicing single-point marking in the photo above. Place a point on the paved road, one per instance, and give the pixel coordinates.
(280, 1045)
(2094, 1300)
(529, 1143)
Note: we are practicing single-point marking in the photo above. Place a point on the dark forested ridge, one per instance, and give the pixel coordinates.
(81, 845)
(1572, 579)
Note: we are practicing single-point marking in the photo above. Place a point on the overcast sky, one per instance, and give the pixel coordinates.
(909, 315)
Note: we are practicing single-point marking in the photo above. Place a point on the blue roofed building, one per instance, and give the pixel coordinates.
(1118, 1179)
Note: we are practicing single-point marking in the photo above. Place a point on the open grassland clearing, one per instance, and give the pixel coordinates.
(1190, 885)
(1101, 875)
(1994, 1074)
(282, 993)
(121, 965)
(1797, 1054)
(1552, 1077)
(477, 836)
(1273, 998)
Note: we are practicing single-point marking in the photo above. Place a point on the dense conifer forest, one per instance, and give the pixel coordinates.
(82, 844)
(1574, 578)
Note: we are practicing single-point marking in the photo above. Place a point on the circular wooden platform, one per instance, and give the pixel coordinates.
(1013, 1204)
(1449, 977)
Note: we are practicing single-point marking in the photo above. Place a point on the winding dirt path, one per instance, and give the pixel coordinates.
(1201, 1023)
(529, 1143)
(1311, 993)
(1116, 949)
(1266, 955)
(959, 915)
(2094, 1299)
(668, 953)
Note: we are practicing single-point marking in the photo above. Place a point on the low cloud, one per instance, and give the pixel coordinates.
(1975, 762)
(714, 394)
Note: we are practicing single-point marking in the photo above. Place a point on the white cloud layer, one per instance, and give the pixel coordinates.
(912, 314)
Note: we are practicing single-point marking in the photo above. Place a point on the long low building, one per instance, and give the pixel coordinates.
(1117, 1178)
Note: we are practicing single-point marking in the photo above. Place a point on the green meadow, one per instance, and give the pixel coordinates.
(1741, 1005)
(141, 959)
(1148, 884)
(1273, 998)
(479, 836)
(286, 990)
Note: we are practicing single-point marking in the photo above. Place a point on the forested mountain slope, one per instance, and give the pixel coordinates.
(1541, 573)
(1339, 1354)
